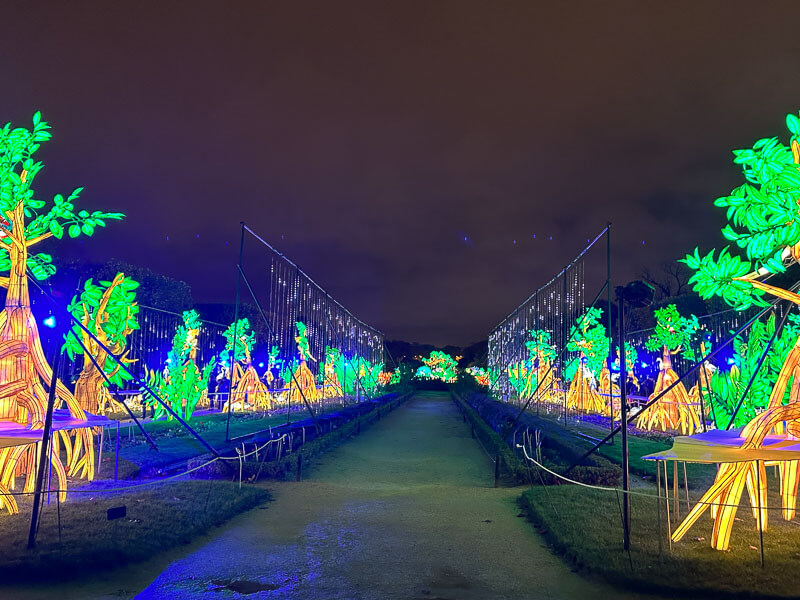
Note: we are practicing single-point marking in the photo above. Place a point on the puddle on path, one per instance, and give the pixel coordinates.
(244, 586)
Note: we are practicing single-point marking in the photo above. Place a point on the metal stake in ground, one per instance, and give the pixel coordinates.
(48, 424)
(623, 407)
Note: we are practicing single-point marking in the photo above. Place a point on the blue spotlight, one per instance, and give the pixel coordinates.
(50, 322)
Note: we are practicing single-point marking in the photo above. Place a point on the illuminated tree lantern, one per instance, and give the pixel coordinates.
(588, 337)
(182, 385)
(480, 374)
(246, 386)
(675, 410)
(24, 371)
(302, 385)
(331, 386)
(272, 364)
(765, 212)
(541, 354)
(109, 311)
(384, 378)
(442, 366)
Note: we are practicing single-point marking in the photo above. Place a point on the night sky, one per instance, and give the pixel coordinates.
(403, 154)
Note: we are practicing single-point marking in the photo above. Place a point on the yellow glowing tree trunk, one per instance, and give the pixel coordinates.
(530, 384)
(24, 372)
(332, 388)
(544, 374)
(582, 397)
(247, 385)
(303, 385)
(610, 391)
(675, 409)
(91, 392)
(724, 495)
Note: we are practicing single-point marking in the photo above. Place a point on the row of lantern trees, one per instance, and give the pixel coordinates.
(109, 311)
(589, 386)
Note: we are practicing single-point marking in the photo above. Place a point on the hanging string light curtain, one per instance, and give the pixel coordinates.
(553, 308)
(150, 344)
(292, 296)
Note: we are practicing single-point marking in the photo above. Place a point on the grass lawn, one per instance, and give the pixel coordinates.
(584, 525)
(159, 517)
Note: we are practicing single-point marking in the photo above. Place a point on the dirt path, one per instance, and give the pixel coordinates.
(406, 510)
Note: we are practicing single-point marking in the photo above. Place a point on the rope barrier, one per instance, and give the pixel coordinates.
(240, 457)
(619, 490)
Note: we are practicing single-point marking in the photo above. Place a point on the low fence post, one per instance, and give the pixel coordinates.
(299, 464)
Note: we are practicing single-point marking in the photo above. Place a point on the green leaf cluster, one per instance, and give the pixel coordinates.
(17, 149)
(588, 336)
(245, 338)
(185, 383)
(631, 356)
(541, 343)
(442, 365)
(763, 223)
(287, 371)
(672, 331)
(348, 372)
(302, 341)
(726, 387)
(119, 319)
(517, 376)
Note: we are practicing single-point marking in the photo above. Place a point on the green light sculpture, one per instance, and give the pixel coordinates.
(588, 338)
(442, 366)
(183, 384)
(25, 222)
(673, 334)
(541, 354)
(764, 226)
(247, 389)
(302, 386)
(109, 311)
(727, 387)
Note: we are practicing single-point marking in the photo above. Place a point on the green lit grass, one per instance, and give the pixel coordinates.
(159, 517)
(584, 526)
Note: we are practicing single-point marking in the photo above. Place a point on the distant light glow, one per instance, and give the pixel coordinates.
(50, 321)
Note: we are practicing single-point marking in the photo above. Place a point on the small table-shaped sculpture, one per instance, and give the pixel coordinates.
(742, 456)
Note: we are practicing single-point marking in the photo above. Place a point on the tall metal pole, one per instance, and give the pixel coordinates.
(623, 373)
(232, 355)
(538, 370)
(623, 406)
(565, 342)
(48, 424)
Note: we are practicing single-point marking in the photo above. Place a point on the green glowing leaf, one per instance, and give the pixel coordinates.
(763, 222)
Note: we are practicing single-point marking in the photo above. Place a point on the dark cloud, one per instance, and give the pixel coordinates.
(367, 140)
